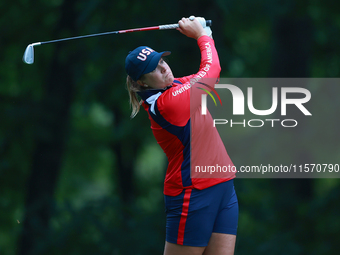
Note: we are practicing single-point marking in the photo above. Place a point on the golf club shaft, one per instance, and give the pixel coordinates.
(28, 57)
(105, 33)
(162, 27)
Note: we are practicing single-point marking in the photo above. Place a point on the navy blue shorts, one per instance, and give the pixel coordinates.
(193, 215)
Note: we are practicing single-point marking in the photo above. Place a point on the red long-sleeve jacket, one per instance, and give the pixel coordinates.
(187, 137)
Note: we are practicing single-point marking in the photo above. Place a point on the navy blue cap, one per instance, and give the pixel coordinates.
(142, 60)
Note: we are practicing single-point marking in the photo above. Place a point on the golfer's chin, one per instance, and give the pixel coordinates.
(169, 80)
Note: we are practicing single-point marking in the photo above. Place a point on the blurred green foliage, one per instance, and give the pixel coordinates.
(107, 197)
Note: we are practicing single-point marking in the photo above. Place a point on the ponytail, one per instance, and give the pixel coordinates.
(133, 87)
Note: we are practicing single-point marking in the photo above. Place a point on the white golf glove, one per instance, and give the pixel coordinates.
(202, 21)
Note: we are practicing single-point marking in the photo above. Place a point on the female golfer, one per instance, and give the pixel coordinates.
(200, 201)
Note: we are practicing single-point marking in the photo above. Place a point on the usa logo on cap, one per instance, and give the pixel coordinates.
(142, 60)
(144, 53)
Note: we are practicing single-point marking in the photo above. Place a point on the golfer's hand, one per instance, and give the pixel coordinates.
(191, 28)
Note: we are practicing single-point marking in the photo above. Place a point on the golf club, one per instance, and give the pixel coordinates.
(28, 57)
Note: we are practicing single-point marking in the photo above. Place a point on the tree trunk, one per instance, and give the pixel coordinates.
(291, 56)
(50, 141)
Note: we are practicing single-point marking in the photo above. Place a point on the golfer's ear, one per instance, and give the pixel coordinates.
(140, 83)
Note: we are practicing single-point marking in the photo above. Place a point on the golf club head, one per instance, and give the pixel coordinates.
(28, 57)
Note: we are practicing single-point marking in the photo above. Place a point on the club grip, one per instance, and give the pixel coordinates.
(208, 23)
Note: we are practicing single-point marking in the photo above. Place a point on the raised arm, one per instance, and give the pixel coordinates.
(186, 98)
(209, 57)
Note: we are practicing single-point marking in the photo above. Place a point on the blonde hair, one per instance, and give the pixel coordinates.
(133, 87)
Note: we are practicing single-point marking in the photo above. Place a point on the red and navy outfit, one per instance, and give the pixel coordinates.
(173, 118)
